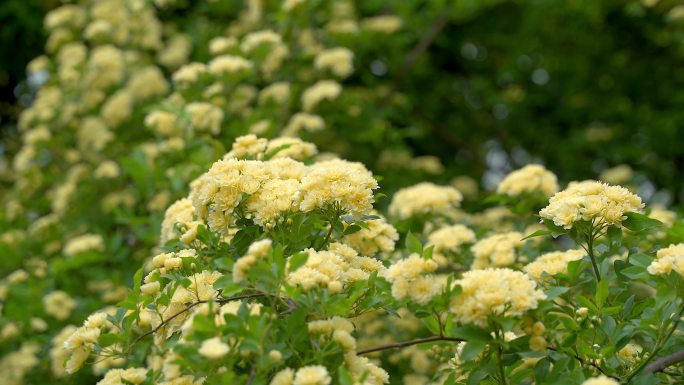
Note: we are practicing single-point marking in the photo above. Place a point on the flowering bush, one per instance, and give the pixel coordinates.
(181, 213)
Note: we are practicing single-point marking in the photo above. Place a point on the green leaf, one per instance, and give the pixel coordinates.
(586, 303)
(472, 349)
(472, 333)
(538, 233)
(638, 222)
(427, 252)
(108, 339)
(555, 292)
(413, 244)
(344, 377)
(227, 286)
(633, 272)
(601, 292)
(614, 233)
(137, 280)
(298, 260)
(640, 259)
(352, 229)
(348, 218)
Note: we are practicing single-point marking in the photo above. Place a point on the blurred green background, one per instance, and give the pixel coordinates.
(582, 85)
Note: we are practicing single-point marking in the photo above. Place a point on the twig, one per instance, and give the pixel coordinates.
(663, 362)
(585, 362)
(187, 308)
(660, 343)
(408, 343)
(415, 53)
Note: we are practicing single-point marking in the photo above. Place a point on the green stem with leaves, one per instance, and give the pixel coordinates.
(660, 344)
(499, 333)
(592, 256)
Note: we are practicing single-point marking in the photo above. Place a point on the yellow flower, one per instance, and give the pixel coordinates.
(494, 292)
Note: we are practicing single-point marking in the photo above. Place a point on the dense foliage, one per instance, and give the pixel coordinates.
(180, 187)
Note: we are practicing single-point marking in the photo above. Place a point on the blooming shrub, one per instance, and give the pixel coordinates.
(182, 213)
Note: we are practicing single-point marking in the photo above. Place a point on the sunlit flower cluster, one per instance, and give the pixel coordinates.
(379, 237)
(591, 201)
(83, 340)
(494, 292)
(256, 251)
(600, 380)
(333, 268)
(424, 199)
(668, 259)
(496, 250)
(410, 278)
(552, 263)
(528, 179)
(448, 240)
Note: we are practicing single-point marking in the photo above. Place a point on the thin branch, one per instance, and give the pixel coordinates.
(416, 52)
(188, 308)
(663, 362)
(584, 362)
(404, 344)
(423, 45)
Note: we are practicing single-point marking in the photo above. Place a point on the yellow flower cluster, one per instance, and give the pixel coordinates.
(591, 201)
(312, 375)
(619, 174)
(668, 259)
(256, 251)
(59, 304)
(15, 366)
(333, 268)
(58, 353)
(179, 215)
(552, 263)
(600, 380)
(408, 279)
(252, 147)
(124, 376)
(379, 237)
(322, 90)
(339, 61)
(271, 188)
(347, 184)
(448, 240)
(83, 340)
(630, 353)
(494, 292)
(167, 262)
(536, 332)
(496, 250)
(533, 177)
(213, 348)
(339, 330)
(200, 289)
(83, 243)
(305, 121)
(424, 199)
(269, 185)
(307, 375)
